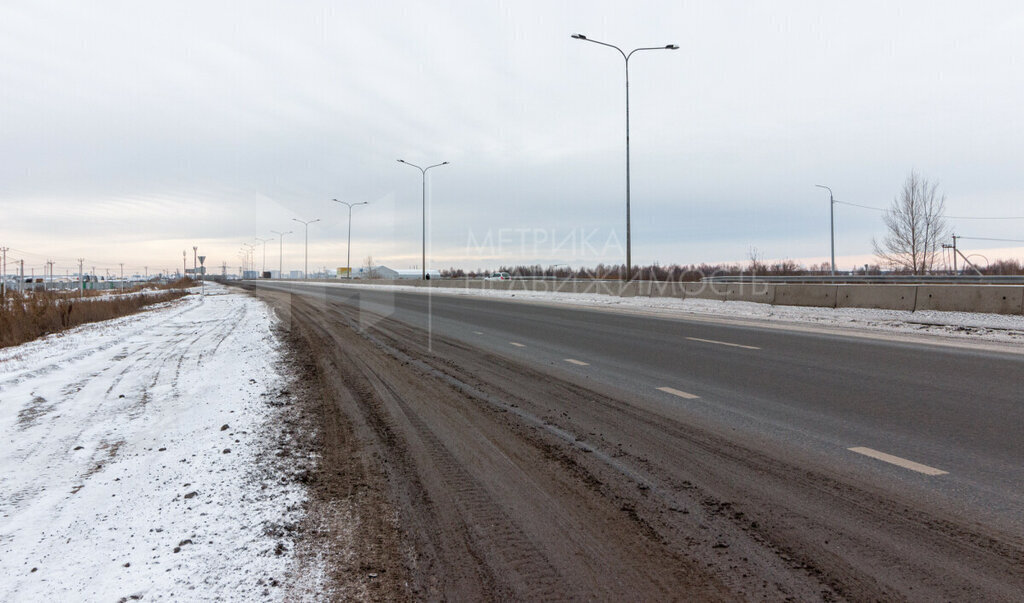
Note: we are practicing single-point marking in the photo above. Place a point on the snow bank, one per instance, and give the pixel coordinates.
(131, 453)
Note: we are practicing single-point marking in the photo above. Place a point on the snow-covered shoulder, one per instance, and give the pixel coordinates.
(130, 464)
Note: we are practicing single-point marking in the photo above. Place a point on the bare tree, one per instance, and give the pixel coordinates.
(916, 227)
(371, 268)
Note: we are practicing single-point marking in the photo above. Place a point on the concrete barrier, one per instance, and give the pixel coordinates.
(705, 290)
(660, 289)
(821, 296)
(883, 297)
(996, 299)
(762, 293)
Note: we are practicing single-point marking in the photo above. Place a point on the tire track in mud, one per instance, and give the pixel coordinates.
(457, 493)
(759, 520)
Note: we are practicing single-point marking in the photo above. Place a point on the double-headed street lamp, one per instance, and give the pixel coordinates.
(423, 173)
(832, 219)
(629, 257)
(247, 263)
(264, 241)
(280, 252)
(305, 264)
(348, 249)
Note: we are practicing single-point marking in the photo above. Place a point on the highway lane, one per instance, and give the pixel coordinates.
(933, 419)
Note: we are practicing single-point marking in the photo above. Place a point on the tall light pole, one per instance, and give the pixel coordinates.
(280, 252)
(423, 173)
(305, 264)
(249, 250)
(832, 219)
(629, 257)
(264, 241)
(348, 250)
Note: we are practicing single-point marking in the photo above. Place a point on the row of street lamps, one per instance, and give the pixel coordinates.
(628, 274)
(423, 176)
(348, 252)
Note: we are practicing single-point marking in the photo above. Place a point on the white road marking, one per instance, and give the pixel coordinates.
(895, 460)
(478, 332)
(733, 345)
(577, 362)
(676, 392)
(518, 345)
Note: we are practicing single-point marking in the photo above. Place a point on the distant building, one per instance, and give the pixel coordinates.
(383, 272)
(295, 274)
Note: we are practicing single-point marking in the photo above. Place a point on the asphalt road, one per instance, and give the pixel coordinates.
(935, 426)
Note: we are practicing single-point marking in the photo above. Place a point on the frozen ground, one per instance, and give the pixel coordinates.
(134, 459)
(963, 325)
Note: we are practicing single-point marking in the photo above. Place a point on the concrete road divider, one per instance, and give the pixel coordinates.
(660, 289)
(821, 296)
(762, 293)
(883, 297)
(997, 299)
(705, 290)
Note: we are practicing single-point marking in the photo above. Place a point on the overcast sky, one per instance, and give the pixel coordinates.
(130, 131)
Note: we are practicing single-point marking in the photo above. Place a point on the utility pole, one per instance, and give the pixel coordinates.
(49, 264)
(953, 247)
(122, 277)
(81, 278)
(184, 258)
(21, 279)
(195, 250)
(4, 284)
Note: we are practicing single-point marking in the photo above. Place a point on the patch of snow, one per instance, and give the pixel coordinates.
(128, 465)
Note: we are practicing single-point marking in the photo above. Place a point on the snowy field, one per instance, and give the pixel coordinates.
(133, 456)
(960, 325)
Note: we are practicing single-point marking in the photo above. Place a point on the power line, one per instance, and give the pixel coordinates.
(881, 209)
(992, 239)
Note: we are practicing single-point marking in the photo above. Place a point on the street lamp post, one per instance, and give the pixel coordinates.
(264, 241)
(305, 264)
(423, 173)
(348, 249)
(629, 257)
(248, 260)
(280, 252)
(832, 220)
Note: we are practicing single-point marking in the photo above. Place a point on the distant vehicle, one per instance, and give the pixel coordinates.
(499, 276)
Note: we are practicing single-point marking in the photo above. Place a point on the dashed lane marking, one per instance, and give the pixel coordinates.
(577, 362)
(732, 345)
(676, 392)
(895, 460)
(518, 345)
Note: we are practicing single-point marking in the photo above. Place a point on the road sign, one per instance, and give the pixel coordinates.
(202, 259)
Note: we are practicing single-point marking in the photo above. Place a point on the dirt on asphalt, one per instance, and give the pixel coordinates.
(451, 473)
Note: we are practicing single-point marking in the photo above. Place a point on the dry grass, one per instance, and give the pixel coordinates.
(30, 316)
